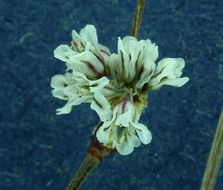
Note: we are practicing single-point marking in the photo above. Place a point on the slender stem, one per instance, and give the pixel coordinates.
(215, 158)
(84, 170)
(96, 152)
(138, 17)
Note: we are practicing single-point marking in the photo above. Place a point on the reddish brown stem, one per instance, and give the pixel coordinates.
(96, 152)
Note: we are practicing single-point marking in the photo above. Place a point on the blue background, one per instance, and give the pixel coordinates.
(40, 150)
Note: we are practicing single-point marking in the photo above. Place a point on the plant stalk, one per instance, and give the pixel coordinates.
(84, 170)
(96, 153)
(137, 18)
(215, 158)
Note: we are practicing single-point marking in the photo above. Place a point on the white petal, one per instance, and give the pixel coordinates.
(134, 140)
(151, 49)
(144, 134)
(58, 81)
(126, 114)
(78, 95)
(61, 81)
(69, 78)
(76, 36)
(175, 82)
(124, 59)
(123, 120)
(104, 132)
(86, 38)
(87, 63)
(127, 144)
(102, 50)
(101, 105)
(110, 91)
(98, 84)
(75, 100)
(59, 94)
(135, 52)
(63, 52)
(80, 77)
(96, 63)
(65, 109)
(71, 90)
(170, 67)
(127, 39)
(148, 70)
(124, 148)
(89, 33)
(124, 139)
(168, 72)
(115, 67)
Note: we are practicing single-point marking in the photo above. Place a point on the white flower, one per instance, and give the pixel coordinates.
(116, 85)
(85, 55)
(134, 66)
(168, 72)
(75, 88)
(120, 128)
(86, 58)
(134, 63)
(134, 72)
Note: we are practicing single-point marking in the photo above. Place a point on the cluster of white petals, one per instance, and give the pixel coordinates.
(120, 126)
(115, 84)
(86, 69)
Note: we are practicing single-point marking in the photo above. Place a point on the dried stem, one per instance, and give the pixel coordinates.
(138, 17)
(84, 170)
(215, 158)
(96, 152)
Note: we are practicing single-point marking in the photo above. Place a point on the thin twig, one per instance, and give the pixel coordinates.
(96, 152)
(215, 158)
(138, 17)
(85, 169)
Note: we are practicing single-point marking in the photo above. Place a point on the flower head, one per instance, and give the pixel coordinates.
(115, 84)
(86, 59)
(120, 128)
(75, 88)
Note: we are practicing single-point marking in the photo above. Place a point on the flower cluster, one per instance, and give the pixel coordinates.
(115, 84)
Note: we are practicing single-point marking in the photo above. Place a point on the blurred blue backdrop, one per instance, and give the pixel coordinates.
(40, 150)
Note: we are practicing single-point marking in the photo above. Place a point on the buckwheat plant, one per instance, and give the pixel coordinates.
(116, 86)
